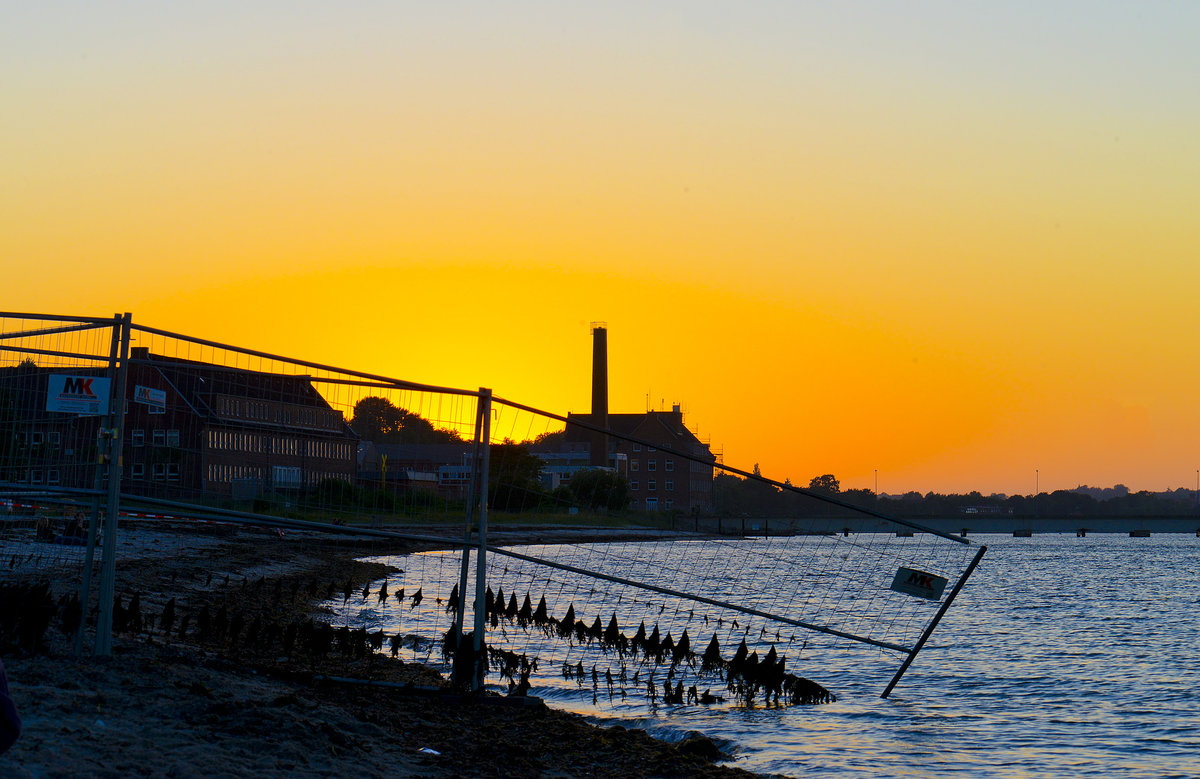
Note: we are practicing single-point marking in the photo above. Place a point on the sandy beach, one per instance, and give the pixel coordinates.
(162, 706)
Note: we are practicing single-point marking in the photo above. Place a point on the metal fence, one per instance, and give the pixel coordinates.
(134, 449)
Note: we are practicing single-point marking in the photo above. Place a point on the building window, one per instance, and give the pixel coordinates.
(651, 465)
(652, 504)
(668, 504)
(173, 439)
(160, 471)
(160, 437)
(52, 476)
(158, 409)
(669, 485)
(138, 471)
(637, 447)
(668, 465)
(633, 486)
(55, 438)
(286, 476)
(651, 485)
(633, 465)
(138, 437)
(37, 438)
(651, 449)
(35, 477)
(172, 471)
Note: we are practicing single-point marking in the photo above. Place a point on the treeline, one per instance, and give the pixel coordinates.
(735, 496)
(515, 484)
(514, 475)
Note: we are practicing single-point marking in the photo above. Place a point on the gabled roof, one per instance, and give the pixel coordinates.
(198, 382)
(652, 425)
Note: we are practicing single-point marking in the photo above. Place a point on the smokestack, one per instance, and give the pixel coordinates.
(600, 374)
(599, 454)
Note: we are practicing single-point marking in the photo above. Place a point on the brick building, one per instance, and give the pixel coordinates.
(659, 480)
(192, 430)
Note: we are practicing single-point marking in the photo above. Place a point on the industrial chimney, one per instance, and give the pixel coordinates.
(599, 448)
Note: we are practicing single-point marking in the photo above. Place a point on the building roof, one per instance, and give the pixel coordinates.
(198, 382)
(199, 385)
(652, 425)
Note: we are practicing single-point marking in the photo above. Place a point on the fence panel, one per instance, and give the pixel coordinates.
(56, 377)
(783, 587)
(249, 481)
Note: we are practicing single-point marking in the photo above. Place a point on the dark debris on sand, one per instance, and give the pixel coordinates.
(169, 707)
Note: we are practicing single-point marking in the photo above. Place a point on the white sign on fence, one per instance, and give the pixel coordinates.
(78, 394)
(919, 583)
(149, 396)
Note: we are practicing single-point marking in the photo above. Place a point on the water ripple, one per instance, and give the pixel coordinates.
(1062, 657)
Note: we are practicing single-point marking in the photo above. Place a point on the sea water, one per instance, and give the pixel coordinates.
(1062, 656)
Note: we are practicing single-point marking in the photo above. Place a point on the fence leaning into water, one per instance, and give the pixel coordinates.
(122, 444)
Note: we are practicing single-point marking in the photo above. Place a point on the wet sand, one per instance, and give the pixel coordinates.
(181, 708)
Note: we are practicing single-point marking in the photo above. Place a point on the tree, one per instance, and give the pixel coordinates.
(552, 437)
(825, 483)
(514, 477)
(598, 488)
(376, 419)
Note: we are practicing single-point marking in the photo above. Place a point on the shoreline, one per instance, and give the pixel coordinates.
(161, 706)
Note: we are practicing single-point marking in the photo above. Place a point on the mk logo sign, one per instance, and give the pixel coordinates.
(919, 583)
(920, 580)
(77, 394)
(78, 385)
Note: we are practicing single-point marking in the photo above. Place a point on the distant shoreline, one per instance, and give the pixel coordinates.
(973, 525)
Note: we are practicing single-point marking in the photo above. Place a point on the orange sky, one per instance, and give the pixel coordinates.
(950, 246)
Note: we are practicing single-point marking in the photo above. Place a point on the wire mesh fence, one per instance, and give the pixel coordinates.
(235, 429)
(708, 602)
(225, 494)
(56, 375)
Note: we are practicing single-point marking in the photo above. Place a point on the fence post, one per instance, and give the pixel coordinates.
(912, 655)
(473, 492)
(89, 558)
(485, 403)
(108, 557)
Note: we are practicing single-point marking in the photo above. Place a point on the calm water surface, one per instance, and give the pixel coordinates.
(1063, 656)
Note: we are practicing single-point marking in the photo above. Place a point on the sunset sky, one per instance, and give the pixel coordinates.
(956, 243)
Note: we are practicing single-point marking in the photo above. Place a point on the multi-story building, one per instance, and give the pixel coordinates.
(191, 430)
(443, 469)
(659, 479)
